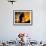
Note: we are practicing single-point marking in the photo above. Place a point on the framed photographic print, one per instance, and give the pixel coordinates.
(22, 17)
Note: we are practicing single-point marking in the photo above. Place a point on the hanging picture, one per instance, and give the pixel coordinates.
(22, 17)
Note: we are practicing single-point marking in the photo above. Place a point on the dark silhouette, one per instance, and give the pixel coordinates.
(22, 15)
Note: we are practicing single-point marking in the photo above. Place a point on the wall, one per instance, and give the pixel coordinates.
(9, 31)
